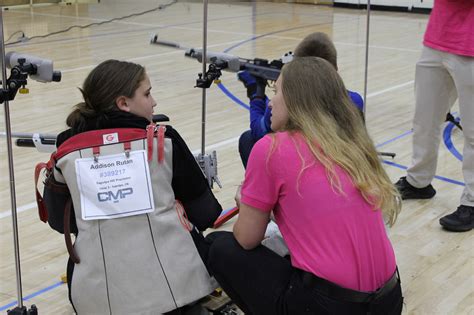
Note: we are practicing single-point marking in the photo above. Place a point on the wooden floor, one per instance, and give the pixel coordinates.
(436, 266)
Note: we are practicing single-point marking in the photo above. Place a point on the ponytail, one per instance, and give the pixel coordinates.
(104, 84)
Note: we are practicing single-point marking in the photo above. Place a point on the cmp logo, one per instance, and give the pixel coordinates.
(114, 196)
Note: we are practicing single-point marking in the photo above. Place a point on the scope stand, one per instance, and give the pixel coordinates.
(17, 80)
(208, 162)
(9, 88)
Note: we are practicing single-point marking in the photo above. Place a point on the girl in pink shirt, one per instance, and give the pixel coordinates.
(320, 175)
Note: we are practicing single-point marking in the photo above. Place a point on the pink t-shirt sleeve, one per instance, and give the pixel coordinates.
(260, 189)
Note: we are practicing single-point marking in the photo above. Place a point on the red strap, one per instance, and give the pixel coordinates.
(96, 151)
(182, 216)
(93, 138)
(150, 132)
(127, 146)
(42, 212)
(161, 143)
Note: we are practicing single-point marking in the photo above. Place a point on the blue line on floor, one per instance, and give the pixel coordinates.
(28, 297)
(273, 33)
(448, 141)
(449, 180)
(394, 139)
(232, 96)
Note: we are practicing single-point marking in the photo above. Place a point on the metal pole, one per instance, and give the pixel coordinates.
(10, 169)
(204, 65)
(366, 57)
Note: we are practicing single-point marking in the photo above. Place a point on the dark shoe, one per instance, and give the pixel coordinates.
(461, 220)
(407, 191)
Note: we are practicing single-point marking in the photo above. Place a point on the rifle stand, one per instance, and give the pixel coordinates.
(20, 71)
(218, 303)
(390, 154)
(207, 162)
(450, 118)
(366, 72)
(23, 311)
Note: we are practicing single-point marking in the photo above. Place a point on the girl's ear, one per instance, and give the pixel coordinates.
(121, 103)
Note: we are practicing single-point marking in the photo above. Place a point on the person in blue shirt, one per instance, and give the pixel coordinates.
(316, 44)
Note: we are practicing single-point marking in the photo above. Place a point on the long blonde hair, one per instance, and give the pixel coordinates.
(319, 107)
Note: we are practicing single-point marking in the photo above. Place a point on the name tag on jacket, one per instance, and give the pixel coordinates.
(114, 186)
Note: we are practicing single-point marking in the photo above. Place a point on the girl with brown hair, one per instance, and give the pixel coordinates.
(138, 225)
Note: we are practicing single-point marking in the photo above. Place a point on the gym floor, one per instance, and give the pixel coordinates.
(436, 266)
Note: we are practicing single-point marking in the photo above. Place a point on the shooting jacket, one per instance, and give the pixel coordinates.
(140, 264)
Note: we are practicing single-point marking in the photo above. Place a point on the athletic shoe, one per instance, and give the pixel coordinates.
(407, 191)
(461, 220)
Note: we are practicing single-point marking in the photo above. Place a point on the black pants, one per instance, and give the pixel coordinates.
(246, 143)
(260, 282)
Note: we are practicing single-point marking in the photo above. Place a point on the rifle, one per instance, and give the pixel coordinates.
(258, 67)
